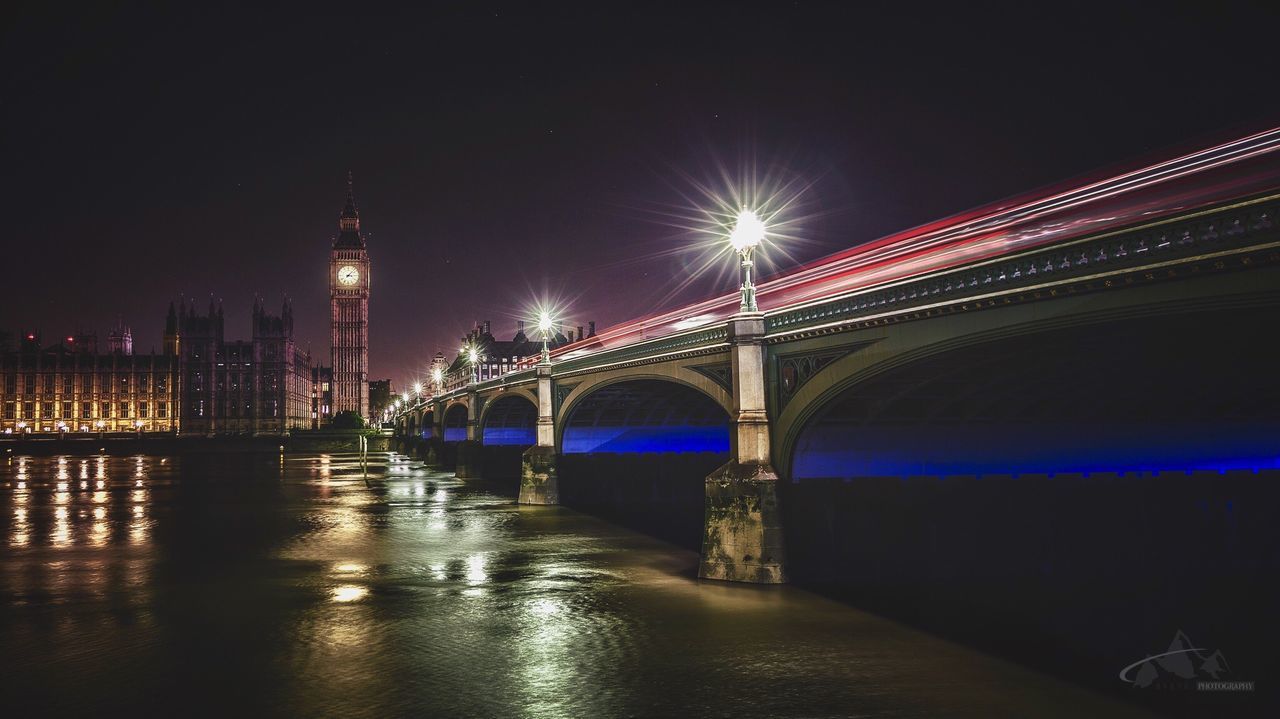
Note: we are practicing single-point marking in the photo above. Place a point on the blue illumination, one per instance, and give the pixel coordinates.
(524, 436)
(455, 434)
(677, 438)
(835, 451)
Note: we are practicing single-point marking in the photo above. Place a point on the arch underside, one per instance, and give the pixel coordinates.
(510, 420)
(455, 422)
(645, 415)
(1193, 391)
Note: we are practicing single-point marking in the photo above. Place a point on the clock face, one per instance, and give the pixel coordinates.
(348, 275)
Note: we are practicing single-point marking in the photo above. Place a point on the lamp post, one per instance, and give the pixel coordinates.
(473, 359)
(545, 324)
(417, 389)
(437, 378)
(748, 232)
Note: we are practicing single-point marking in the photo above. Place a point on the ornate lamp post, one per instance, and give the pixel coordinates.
(748, 232)
(437, 378)
(473, 359)
(544, 326)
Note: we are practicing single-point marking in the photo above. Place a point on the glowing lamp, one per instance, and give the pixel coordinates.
(747, 234)
(748, 231)
(417, 388)
(437, 375)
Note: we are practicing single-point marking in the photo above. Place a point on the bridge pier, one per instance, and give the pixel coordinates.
(470, 450)
(742, 531)
(539, 481)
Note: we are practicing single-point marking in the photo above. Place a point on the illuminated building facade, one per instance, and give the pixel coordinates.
(349, 312)
(498, 357)
(321, 396)
(257, 386)
(71, 387)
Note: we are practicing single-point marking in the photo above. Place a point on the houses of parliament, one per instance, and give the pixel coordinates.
(200, 383)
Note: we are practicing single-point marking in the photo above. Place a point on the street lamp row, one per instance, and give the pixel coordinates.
(748, 233)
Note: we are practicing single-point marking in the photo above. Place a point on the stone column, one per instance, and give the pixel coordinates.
(742, 534)
(538, 480)
(434, 439)
(470, 449)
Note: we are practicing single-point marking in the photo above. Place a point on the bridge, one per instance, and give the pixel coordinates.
(1108, 327)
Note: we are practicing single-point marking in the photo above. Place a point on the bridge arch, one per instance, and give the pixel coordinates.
(510, 418)
(1037, 396)
(668, 373)
(643, 415)
(456, 415)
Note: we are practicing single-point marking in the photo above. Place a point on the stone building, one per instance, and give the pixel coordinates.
(498, 357)
(69, 386)
(257, 386)
(349, 312)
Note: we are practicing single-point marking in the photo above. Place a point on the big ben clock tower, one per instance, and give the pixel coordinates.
(349, 312)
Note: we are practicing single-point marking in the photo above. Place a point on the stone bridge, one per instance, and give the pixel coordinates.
(1113, 349)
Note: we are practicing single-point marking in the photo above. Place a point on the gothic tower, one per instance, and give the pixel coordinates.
(349, 312)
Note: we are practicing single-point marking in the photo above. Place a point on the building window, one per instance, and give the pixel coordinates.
(66, 410)
(162, 410)
(124, 384)
(86, 383)
(142, 382)
(48, 384)
(161, 383)
(104, 382)
(11, 383)
(124, 410)
(10, 410)
(86, 409)
(46, 410)
(68, 383)
(28, 410)
(105, 410)
(30, 384)
(142, 410)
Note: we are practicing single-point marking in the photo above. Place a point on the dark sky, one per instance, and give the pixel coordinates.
(504, 151)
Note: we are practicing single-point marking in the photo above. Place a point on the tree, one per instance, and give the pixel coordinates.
(348, 420)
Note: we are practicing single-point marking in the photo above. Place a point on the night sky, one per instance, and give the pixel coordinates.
(506, 152)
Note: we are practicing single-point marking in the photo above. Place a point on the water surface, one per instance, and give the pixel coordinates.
(288, 585)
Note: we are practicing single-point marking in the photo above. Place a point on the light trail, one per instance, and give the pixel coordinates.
(1231, 170)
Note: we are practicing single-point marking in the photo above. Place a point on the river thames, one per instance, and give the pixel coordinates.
(290, 585)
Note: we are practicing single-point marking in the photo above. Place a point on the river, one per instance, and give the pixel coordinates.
(291, 586)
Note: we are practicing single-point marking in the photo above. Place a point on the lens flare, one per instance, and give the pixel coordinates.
(748, 231)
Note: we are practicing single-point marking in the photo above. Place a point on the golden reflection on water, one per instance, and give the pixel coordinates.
(349, 593)
(51, 509)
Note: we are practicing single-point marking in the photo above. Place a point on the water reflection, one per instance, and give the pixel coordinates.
(302, 586)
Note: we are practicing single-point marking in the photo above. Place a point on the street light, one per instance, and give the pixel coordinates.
(473, 359)
(417, 388)
(544, 326)
(437, 378)
(748, 232)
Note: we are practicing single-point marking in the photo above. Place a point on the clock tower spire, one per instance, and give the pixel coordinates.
(349, 311)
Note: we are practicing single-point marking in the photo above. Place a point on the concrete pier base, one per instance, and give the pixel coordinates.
(742, 532)
(538, 481)
(432, 451)
(470, 452)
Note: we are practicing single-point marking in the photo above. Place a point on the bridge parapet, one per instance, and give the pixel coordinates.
(1219, 230)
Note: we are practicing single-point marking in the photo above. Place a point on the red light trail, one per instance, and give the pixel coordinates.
(1231, 170)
